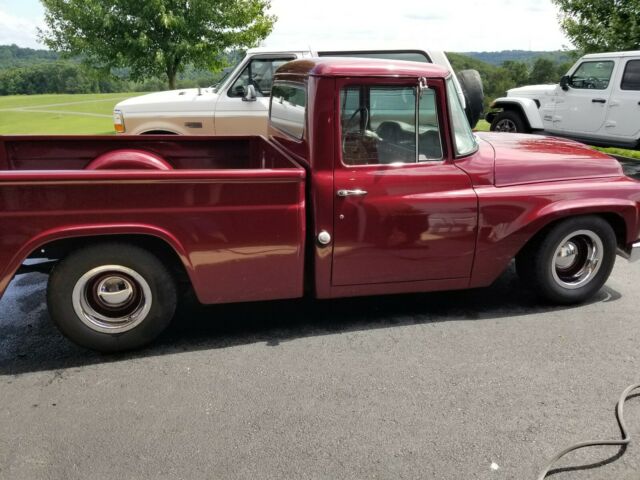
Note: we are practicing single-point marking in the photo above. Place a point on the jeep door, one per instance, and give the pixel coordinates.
(623, 117)
(582, 109)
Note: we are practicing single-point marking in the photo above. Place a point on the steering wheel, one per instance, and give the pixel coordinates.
(591, 82)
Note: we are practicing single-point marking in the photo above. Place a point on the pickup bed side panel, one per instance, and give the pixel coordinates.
(511, 216)
(240, 233)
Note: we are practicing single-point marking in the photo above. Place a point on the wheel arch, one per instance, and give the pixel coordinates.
(56, 244)
(525, 107)
(494, 256)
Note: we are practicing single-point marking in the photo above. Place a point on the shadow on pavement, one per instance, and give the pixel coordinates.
(29, 342)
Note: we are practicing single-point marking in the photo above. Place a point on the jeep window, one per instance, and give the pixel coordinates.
(379, 125)
(386, 55)
(631, 77)
(464, 140)
(259, 73)
(288, 108)
(592, 75)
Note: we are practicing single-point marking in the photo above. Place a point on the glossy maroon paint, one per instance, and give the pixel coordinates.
(243, 214)
(232, 227)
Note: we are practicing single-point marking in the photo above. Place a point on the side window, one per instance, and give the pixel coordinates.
(259, 73)
(592, 75)
(631, 77)
(379, 125)
(288, 108)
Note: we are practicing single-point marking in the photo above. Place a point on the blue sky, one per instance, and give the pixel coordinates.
(455, 25)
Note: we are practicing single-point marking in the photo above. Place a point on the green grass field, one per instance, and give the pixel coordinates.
(59, 114)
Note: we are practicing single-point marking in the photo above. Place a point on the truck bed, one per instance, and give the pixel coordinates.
(233, 209)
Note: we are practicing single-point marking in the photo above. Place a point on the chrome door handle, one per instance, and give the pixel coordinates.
(352, 193)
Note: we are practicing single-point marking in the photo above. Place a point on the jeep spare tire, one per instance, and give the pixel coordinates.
(471, 84)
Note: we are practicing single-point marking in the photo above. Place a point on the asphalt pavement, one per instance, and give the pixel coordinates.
(482, 384)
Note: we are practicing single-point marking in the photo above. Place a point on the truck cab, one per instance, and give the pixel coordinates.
(598, 101)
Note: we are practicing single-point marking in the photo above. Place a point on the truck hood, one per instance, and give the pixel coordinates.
(523, 159)
(532, 90)
(170, 101)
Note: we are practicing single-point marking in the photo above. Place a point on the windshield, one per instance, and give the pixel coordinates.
(225, 74)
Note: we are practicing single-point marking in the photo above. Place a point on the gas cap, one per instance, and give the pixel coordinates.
(324, 238)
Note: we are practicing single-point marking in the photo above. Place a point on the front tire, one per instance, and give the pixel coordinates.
(509, 121)
(571, 262)
(111, 297)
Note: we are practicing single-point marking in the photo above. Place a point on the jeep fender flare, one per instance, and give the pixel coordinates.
(527, 107)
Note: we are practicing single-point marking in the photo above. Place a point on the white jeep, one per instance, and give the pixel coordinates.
(238, 104)
(598, 102)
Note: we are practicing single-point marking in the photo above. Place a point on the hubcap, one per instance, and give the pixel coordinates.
(577, 259)
(506, 125)
(112, 299)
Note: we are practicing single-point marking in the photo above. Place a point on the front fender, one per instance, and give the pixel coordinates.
(526, 106)
(506, 225)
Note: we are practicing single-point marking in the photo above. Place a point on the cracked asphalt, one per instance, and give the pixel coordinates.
(482, 384)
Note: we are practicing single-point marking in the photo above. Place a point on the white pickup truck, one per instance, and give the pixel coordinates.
(238, 104)
(598, 102)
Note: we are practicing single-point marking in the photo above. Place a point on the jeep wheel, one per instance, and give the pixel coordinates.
(509, 122)
(471, 84)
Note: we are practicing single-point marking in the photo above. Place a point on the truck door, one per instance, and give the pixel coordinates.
(403, 211)
(623, 118)
(236, 116)
(582, 109)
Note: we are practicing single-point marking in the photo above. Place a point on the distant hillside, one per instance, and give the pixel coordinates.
(526, 56)
(14, 56)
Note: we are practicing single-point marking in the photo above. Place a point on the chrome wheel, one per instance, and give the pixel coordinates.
(506, 125)
(577, 259)
(112, 299)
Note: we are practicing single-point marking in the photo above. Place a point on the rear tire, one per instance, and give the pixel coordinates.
(509, 121)
(111, 297)
(571, 262)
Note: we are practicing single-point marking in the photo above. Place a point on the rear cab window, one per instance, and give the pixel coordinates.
(409, 56)
(288, 108)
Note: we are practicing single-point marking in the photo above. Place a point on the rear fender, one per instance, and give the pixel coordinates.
(110, 232)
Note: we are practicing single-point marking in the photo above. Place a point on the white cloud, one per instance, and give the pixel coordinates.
(18, 30)
(456, 25)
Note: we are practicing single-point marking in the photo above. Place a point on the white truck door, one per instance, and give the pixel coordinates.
(623, 118)
(236, 116)
(582, 108)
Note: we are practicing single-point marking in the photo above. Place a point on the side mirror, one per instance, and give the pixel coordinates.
(250, 96)
(564, 82)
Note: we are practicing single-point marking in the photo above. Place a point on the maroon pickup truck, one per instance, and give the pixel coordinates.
(371, 182)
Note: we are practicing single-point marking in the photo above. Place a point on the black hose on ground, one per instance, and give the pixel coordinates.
(623, 442)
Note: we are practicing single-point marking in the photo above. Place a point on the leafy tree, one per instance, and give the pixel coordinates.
(154, 38)
(543, 71)
(601, 25)
(518, 71)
